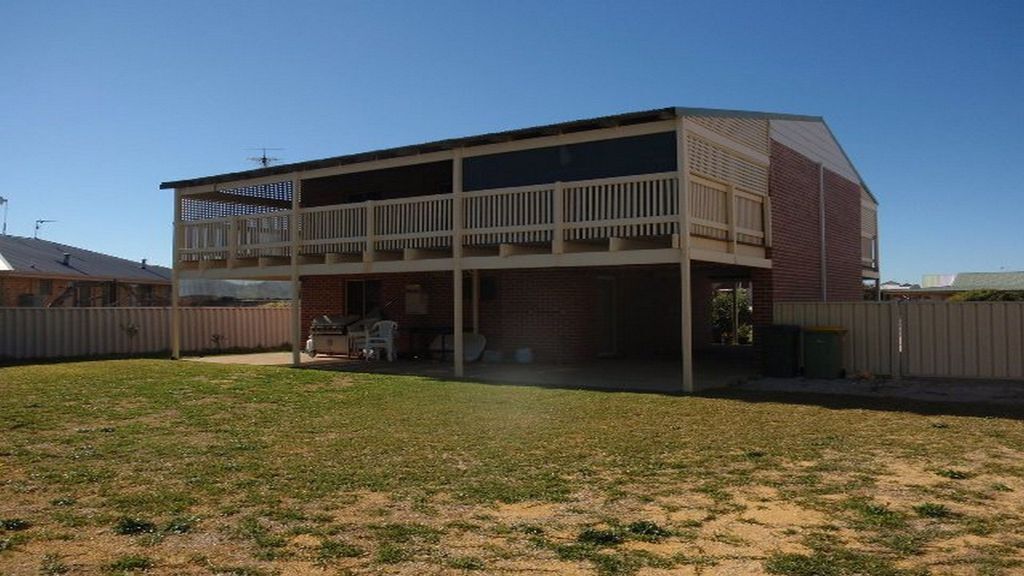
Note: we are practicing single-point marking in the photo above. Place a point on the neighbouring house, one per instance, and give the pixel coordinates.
(945, 286)
(36, 272)
(594, 238)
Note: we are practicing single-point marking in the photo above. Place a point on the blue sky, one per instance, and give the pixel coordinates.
(101, 101)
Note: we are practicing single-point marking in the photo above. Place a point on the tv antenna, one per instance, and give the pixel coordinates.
(4, 202)
(263, 160)
(38, 224)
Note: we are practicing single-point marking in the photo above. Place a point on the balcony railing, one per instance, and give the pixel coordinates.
(556, 214)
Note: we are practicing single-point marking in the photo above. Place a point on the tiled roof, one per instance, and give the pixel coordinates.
(36, 257)
(989, 281)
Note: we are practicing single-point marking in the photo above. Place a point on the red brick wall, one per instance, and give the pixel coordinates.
(11, 288)
(842, 239)
(796, 226)
(796, 229)
(556, 312)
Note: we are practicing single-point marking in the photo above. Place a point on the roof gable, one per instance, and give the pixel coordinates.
(814, 139)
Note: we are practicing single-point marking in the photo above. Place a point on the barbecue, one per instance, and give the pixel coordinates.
(333, 335)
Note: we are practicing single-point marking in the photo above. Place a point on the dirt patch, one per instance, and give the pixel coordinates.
(528, 512)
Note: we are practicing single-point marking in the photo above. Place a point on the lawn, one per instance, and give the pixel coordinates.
(166, 467)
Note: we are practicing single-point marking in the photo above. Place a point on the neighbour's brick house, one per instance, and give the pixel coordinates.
(40, 273)
(583, 239)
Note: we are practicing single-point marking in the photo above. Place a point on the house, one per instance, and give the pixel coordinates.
(592, 238)
(36, 272)
(941, 287)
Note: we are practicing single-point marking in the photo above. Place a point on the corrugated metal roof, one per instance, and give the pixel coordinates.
(480, 140)
(31, 256)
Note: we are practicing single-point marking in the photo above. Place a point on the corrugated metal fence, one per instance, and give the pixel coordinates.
(931, 339)
(27, 333)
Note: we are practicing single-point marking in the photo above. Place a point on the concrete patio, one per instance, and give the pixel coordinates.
(716, 368)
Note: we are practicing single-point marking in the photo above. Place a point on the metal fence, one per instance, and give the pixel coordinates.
(983, 340)
(37, 333)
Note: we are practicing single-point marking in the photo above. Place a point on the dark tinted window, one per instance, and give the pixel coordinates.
(584, 161)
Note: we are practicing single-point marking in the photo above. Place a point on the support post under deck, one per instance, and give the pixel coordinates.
(458, 356)
(176, 280)
(296, 282)
(686, 308)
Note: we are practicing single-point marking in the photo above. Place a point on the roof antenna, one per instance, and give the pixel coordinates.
(263, 159)
(38, 224)
(4, 202)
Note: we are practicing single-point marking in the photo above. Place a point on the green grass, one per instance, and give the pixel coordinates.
(130, 564)
(363, 472)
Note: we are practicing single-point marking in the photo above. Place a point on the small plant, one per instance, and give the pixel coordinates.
(130, 563)
(180, 525)
(14, 524)
(130, 526)
(875, 515)
(330, 549)
(597, 537)
(392, 554)
(647, 531)
(217, 340)
(532, 529)
(466, 563)
(63, 501)
(53, 565)
(953, 474)
(237, 571)
(933, 510)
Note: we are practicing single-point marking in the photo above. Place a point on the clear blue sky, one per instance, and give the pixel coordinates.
(101, 101)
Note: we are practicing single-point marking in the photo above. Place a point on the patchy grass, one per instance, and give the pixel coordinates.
(130, 564)
(126, 467)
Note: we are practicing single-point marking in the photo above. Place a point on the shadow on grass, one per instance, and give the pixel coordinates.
(835, 401)
(878, 403)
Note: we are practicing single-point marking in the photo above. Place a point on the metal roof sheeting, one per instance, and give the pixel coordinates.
(31, 256)
(626, 119)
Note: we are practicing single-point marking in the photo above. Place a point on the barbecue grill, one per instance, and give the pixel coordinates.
(330, 334)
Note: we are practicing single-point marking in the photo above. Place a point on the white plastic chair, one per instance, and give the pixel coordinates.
(380, 336)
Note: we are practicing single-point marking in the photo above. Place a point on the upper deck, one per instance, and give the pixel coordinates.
(606, 193)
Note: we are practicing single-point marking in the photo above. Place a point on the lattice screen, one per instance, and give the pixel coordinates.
(868, 222)
(749, 131)
(710, 160)
(205, 209)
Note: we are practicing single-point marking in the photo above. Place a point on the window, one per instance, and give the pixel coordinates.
(648, 154)
(46, 287)
(362, 296)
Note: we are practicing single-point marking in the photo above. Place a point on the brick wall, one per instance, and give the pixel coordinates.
(796, 226)
(561, 314)
(12, 287)
(842, 239)
(796, 229)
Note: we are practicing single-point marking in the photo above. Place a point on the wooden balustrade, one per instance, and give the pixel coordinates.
(638, 207)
